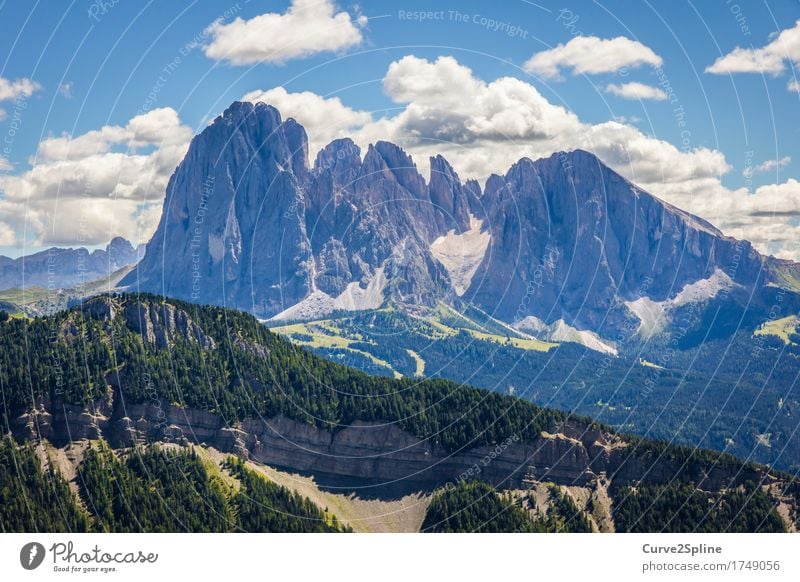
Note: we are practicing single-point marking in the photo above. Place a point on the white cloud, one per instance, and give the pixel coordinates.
(769, 59)
(486, 127)
(308, 27)
(415, 79)
(636, 91)
(5, 165)
(793, 86)
(24, 87)
(160, 127)
(772, 199)
(84, 190)
(7, 236)
(483, 128)
(765, 217)
(591, 55)
(768, 166)
(445, 102)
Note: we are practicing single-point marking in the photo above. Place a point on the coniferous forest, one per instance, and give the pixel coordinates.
(148, 489)
(682, 507)
(227, 363)
(33, 499)
(473, 506)
(251, 372)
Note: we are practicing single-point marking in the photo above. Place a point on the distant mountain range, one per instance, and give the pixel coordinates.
(61, 268)
(558, 247)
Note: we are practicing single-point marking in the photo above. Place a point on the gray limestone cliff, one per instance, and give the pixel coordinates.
(249, 223)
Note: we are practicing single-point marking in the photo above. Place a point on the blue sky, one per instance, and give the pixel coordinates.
(98, 64)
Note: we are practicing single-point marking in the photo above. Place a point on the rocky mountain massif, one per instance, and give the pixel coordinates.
(558, 246)
(127, 370)
(693, 335)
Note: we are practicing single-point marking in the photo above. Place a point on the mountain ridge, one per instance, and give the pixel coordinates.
(570, 242)
(62, 267)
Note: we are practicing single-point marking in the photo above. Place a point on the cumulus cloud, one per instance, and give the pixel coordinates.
(308, 27)
(160, 127)
(793, 86)
(445, 102)
(770, 59)
(767, 217)
(88, 188)
(636, 91)
(590, 55)
(7, 236)
(10, 90)
(772, 199)
(484, 127)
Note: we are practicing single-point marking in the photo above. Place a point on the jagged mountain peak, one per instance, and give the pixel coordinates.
(252, 119)
(571, 164)
(442, 168)
(239, 110)
(340, 162)
(448, 196)
(395, 156)
(340, 152)
(259, 130)
(595, 178)
(390, 160)
(568, 160)
(579, 243)
(119, 244)
(246, 223)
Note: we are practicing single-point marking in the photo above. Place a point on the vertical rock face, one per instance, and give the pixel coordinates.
(572, 240)
(161, 324)
(233, 228)
(249, 224)
(449, 197)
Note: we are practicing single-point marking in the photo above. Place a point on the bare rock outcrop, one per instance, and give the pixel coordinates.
(367, 454)
(160, 324)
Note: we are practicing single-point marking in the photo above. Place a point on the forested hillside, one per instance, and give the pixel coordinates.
(681, 507)
(148, 489)
(230, 364)
(476, 507)
(120, 350)
(723, 394)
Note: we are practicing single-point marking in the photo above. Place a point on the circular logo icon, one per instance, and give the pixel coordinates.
(31, 555)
